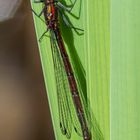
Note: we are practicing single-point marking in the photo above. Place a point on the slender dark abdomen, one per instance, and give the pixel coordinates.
(73, 85)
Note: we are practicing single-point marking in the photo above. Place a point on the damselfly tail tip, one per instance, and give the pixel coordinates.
(64, 131)
(87, 135)
(68, 136)
(75, 129)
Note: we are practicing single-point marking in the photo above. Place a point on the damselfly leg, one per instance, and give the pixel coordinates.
(39, 15)
(69, 24)
(67, 8)
(44, 34)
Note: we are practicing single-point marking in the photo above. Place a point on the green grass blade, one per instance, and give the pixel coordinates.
(48, 69)
(98, 61)
(92, 46)
(125, 70)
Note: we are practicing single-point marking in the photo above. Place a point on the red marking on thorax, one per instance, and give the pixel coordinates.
(53, 10)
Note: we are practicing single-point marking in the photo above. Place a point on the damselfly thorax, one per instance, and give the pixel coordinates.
(51, 14)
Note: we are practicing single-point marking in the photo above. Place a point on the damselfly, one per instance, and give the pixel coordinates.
(70, 104)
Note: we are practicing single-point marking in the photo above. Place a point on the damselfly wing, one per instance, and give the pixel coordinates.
(67, 113)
